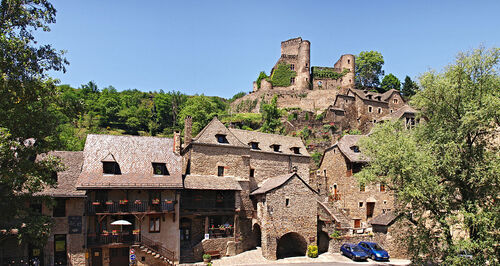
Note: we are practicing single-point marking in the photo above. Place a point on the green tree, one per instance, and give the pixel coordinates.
(409, 87)
(271, 116)
(262, 75)
(390, 82)
(445, 173)
(369, 69)
(28, 124)
(202, 109)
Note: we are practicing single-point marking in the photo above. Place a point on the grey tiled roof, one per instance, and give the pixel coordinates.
(384, 97)
(265, 141)
(275, 182)
(134, 155)
(345, 144)
(211, 182)
(66, 180)
(406, 109)
(384, 218)
(215, 127)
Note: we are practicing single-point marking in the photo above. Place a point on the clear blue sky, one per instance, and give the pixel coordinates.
(219, 47)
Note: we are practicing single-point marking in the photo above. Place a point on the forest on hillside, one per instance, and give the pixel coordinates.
(89, 109)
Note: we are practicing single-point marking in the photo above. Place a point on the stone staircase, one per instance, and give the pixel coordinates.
(154, 253)
(337, 214)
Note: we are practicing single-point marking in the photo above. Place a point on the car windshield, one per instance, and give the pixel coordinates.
(356, 248)
(377, 247)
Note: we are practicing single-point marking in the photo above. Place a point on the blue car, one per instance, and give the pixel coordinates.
(353, 251)
(374, 250)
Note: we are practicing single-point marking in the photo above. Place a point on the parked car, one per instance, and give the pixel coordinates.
(465, 254)
(374, 251)
(353, 251)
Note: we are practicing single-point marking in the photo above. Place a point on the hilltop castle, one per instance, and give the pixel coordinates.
(297, 83)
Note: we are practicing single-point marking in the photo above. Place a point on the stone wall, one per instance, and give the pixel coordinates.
(222, 245)
(279, 219)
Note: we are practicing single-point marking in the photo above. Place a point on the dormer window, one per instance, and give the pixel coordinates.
(160, 169)
(296, 150)
(370, 109)
(378, 98)
(275, 147)
(111, 168)
(221, 138)
(369, 96)
(355, 149)
(254, 145)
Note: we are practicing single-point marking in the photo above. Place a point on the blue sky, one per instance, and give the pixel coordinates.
(219, 47)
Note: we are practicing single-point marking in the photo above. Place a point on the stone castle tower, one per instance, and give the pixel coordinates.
(297, 53)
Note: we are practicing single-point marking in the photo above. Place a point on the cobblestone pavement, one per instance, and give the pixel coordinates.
(254, 257)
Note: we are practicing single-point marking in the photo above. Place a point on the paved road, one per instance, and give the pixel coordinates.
(321, 264)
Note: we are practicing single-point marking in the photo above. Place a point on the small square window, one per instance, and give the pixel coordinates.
(287, 202)
(395, 101)
(60, 208)
(296, 150)
(275, 147)
(379, 110)
(160, 169)
(292, 81)
(220, 170)
(382, 187)
(221, 138)
(362, 187)
(252, 172)
(369, 109)
(154, 224)
(360, 204)
(292, 67)
(254, 145)
(111, 168)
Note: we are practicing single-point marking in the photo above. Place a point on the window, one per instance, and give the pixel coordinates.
(362, 187)
(370, 109)
(292, 67)
(307, 66)
(60, 208)
(374, 121)
(111, 168)
(60, 252)
(355, 149)
(252, 172)
(160, 169)
(385, 202)
(221, 138)
(36, 207)
(348, 61)
(220, 170)
(379, 110)
(254, 145)
(360, 204)
(53, 176)
(292, 81)
(154, 224)
(287, 202)
(275, 147)
(357, 223)
(390, 111)
(296, 150)
(395, 101)
(382, 187)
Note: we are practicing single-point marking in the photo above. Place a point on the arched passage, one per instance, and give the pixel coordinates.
(291, 245)
(257, 235)
(323, 242)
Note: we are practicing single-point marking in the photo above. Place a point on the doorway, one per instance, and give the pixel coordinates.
(96, 257)
(370, 207)
(118, 256)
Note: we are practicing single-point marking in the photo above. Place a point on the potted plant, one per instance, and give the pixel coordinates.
(168, 201)
(207, 258)
(136, 231)
(104, 233)
(155, 201)
(96, 203)
(123, 202)
(137, 202)
(312, 251)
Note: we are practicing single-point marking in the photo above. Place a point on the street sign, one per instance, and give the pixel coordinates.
(132, 251)
(132, 256)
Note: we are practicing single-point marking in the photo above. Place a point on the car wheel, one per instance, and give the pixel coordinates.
(373, 257)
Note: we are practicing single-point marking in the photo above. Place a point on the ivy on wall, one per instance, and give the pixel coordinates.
(328, 72)
(281, 75)
(262, 76)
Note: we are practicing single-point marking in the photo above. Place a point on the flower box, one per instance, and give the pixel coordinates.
(114, 232)
(168, 201)
(137, 202)
(155, 201)
(123, 202)
(96, 203)
(136, 231)
(109, 202)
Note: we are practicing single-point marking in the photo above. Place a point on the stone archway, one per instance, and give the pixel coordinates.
(291, 245)
(257, 234)
(323, 242)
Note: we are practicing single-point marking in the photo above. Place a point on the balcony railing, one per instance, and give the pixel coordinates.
(196, 203)
(94, 207)
(111, 238)
(220, 232)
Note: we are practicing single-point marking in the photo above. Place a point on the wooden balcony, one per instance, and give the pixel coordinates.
(220, 232)
(125, 207)
(194, 203)
(112, 238)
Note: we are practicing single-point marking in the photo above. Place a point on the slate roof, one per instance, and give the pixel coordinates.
(406, 109)
(215, 127)
(276, 182)
(384, 218)
(66, 180)
(210, 182)
(134, 155)
(384, 97)
(265, 141)
(345, 144)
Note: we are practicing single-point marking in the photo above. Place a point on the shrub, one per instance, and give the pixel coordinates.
(316, 158)
(320, 116)
(207, 257)
(335, 234)
(312, 251)
(262, 75)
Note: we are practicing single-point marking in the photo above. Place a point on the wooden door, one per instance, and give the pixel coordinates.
(370, 206)
(118, 256)
(96, 257)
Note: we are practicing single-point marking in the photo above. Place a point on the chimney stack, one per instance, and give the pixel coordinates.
(177, 142)
(188, 124)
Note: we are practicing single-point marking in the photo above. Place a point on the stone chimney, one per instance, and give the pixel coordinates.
(177, 142)
(188, 124)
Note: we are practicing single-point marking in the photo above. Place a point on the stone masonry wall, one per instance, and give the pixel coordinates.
(279, 219)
